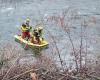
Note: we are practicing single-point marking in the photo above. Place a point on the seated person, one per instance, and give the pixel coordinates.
(40, 31)
(36, 37)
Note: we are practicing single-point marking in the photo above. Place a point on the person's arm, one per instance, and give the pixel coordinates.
(24, 29)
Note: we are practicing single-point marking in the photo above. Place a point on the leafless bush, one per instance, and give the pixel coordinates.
(45, 68)
(80, 53)
(9, 56)
(23, 73)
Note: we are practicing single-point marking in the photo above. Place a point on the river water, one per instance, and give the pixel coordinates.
(14, 12)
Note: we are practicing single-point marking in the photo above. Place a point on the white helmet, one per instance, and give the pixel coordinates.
(27, 20)
(40, 28)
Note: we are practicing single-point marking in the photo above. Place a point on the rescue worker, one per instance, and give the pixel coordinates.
(25, 31)
(40, 31)
(36, 37)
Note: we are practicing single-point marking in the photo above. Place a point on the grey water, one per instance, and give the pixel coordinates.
(14, 12)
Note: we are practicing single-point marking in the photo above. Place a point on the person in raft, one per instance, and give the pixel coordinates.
(40, 32)
(25, 31)
(37, 35)
(36, 39)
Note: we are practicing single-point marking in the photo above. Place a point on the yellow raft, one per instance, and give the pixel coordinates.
(44, 43)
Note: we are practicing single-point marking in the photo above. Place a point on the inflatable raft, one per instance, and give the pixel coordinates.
(44, 43)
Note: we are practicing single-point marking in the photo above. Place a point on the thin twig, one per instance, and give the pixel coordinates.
(26, 72)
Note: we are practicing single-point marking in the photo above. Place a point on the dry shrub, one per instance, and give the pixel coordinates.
(46, 62)
(44, 68)
(34, 76)
(65, 21)
(9, 55)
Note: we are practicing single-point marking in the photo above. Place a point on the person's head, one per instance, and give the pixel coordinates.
(35, 30)
(27, 20)
(23, 25)
(40, 28)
